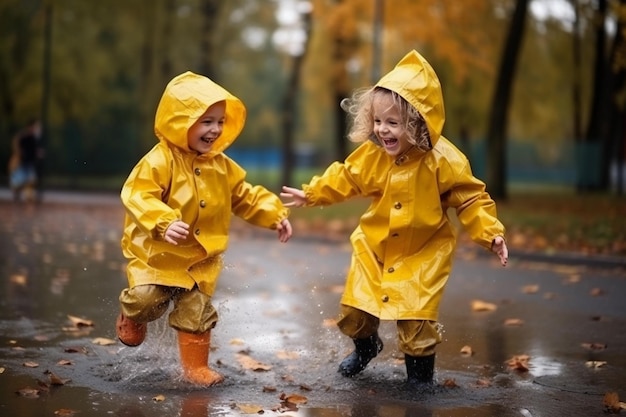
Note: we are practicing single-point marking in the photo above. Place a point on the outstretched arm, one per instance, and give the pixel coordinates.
(295, 197)
(284, 230)
(498, 246)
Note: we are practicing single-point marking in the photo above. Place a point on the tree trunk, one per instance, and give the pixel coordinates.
(590, 150)
(289, 111)
(577, 77)
(496, 134)
(210, 14)
(614, 155)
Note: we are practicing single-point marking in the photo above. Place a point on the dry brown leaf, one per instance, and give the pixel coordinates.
(64, 362)
(158, 398)
(513, 322)
(237, 342)
(450, 383)
(103, 341)
(30, 364)
(594, 346)
(250, 408)
(596, 292)
(28, 392)
(294, 398)
(530, 289)
(483, 383)
(76, 349)
(283, 354)
(55, 379)
(79, 322)
(595, 364)
(519, 363)
(248, 363)
(467, 350)
(612, 404)
(65, 412)
(19, 279)
(2, 370)
(269, 389)
(478, 305)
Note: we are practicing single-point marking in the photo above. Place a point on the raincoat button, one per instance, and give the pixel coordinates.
(384, 298)
(197, 232)
(196, 171)
(202, 203)
(390, 270)
(398, 205)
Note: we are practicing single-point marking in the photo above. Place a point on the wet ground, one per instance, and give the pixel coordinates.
(277, 303)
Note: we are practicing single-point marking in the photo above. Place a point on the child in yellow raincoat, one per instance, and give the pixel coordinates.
(179, 199)
(404, 244)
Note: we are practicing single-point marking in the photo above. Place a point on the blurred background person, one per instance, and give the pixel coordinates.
(25, 162)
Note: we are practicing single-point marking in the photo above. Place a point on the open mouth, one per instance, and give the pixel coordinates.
(389, 142)
(208, 141)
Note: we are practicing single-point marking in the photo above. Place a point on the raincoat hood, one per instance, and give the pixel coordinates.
(185, 99)
(415, 80)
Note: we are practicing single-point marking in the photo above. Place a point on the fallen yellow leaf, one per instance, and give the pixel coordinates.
(102, 341)
(248, 363)
(478, 305)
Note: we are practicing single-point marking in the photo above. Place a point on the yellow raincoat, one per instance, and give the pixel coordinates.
(172, 182)
(404, 244)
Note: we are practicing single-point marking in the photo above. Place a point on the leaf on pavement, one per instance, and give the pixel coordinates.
(65, 412)
(103, 341)
(467, 350)
(612, 404)
(513, 322)
(158, 398)
(596, 292)
(28, 392)
(250, 408)
(248, 363)
(595, 364)
(80, 322)
(519, 363)
(30, 364)
(594, 346)
(283, 354)
(478, 305)
(19, 279)
(530, 289)
(55, 379)
(294, 398)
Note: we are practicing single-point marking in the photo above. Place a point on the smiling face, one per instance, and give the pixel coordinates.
(205, 131)
(388, 125)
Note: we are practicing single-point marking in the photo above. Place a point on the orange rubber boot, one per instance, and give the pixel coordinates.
(130, 332)
(194, 358)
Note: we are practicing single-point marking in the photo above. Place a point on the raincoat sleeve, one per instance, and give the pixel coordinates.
(475, 209)
(254, 204)
(344, 180)
(144, 192)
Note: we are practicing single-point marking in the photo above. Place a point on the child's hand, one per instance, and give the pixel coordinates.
(498, 246)
(298, 199)
(177, 231)
(284, 230)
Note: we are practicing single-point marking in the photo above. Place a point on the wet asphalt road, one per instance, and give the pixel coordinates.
(277, 303)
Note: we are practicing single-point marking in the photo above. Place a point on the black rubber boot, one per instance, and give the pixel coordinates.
(365, 350)
(420, 370)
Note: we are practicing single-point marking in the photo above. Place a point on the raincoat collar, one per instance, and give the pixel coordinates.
(186, 98)
(416, 81)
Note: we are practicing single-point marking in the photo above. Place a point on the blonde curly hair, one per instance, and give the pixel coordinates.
(359, 108)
